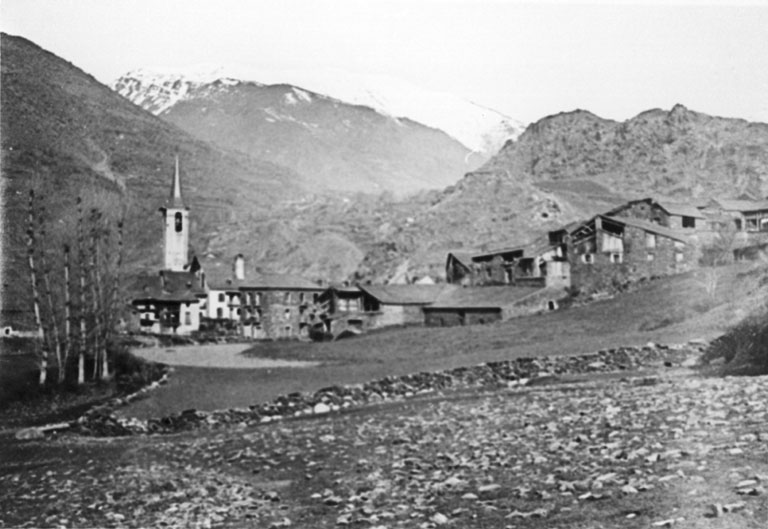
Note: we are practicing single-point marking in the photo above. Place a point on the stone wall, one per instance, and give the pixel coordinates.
(604, 275)
(507, 373)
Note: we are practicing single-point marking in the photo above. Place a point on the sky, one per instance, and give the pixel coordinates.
(525, 59)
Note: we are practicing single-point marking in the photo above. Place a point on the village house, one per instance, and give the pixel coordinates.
(665, 213)
(364, 307)
(167, 303)
(222, 307)
(541, 263)
(459, 305)
(749, 216)
(279, 306)
(607, 252)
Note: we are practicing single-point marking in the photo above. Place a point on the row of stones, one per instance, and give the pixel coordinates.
(103, 422)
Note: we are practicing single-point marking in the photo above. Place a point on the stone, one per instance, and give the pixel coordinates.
(320, 408)
(440, 519)
(30, 433)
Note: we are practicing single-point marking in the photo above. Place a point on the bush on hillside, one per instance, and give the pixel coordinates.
(744, 348)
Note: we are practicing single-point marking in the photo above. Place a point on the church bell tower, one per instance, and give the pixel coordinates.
(176, 223)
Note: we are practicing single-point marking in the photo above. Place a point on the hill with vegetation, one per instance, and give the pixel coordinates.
(66, 135)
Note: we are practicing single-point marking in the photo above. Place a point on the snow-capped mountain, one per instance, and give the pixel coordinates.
(334, 145)
(478, 128)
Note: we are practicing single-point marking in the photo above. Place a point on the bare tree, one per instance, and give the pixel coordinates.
(43, 355)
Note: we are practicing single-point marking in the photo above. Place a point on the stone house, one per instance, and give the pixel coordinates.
(749, 216)
(364, 307)
(167, 303)
(607, 252)
(479, 305)
(541, 263)
(274, 306)
(673, 215)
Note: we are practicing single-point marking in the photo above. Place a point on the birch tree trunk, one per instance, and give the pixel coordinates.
(35, 294)
(81, 256)
(51, 308)
(67, 315)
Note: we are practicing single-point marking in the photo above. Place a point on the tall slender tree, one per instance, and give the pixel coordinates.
(82, 266)
(43, 355)
(52, 312)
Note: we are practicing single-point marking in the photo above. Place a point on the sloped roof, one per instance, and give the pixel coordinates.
(741, 205)
(648, 226)
(464, 258)
(279, 282)
(683, 210)
(489, 297)
(170, 286)
(529, 249)
(404, 294)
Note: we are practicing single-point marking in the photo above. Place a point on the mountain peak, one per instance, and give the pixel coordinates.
(477, 127)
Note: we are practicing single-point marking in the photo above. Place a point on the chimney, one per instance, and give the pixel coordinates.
(239, 267)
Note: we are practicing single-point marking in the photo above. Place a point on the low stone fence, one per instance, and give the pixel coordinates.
(102, 422)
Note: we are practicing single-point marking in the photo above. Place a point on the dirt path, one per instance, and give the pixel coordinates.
(225, 356)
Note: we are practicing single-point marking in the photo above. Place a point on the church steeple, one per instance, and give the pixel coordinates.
(176, 201)
(176, 227)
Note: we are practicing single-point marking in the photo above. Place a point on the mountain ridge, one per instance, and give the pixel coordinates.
(479, 128)
(335, 146)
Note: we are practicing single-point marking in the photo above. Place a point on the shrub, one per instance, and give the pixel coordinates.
(132, 372)
(744, 348)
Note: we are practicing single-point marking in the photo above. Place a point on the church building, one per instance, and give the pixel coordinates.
(171, 301)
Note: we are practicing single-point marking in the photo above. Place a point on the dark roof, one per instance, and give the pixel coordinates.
(464, 258)
(650, 227)
(481, 297)
(403, 294)
(741, 205)
(530, 249)
(166, 286)
(221, 278)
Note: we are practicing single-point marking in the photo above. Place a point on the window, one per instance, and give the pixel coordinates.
(301, 297)
(221, 297)
(315, 297)
(738, 224)
(187, 318)
(650, 240)
(287, 314)
(689, 222)
(237, 312)
(178, 221)
(650, 257)
(587, 258)
(617, 258)
(287, 297)
(257, 298)
(219, 313)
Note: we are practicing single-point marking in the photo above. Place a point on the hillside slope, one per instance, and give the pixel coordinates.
(678, 152)
(66, 135)
(336, 146)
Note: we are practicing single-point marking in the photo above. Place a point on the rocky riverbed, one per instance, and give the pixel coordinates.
(638, 451)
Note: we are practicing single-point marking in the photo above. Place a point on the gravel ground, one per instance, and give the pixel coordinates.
(679, 452)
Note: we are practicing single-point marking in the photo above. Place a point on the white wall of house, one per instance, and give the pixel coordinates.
(222, 304)
(189, 317)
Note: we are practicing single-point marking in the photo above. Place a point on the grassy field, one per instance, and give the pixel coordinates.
(670, 310)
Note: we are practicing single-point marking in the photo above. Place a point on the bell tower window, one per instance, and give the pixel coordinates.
(178, 222)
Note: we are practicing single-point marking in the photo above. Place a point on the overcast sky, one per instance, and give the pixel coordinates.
(527, 60)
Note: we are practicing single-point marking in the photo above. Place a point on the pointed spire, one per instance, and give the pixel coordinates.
(176, 201)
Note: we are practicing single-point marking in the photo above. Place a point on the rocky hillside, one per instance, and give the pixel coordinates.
(334, 145)
(678, 152)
